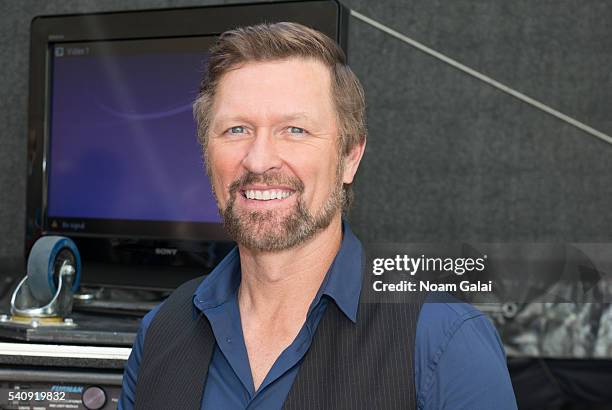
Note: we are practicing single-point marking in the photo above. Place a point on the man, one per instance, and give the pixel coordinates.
(279, 323)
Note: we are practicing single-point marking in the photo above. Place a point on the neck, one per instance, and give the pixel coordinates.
(283, 284)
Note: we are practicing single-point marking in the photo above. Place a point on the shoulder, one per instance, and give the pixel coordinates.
(440, 316)
(148, 318)
(459, 356)
(439, 322)
(180, 296)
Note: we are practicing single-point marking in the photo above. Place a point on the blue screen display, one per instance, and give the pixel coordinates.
(122, 139)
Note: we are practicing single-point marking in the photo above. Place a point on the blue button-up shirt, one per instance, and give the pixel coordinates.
(459, 359)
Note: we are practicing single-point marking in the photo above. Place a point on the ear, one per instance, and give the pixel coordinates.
(351, 162)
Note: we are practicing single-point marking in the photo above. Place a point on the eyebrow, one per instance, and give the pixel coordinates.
(283, 118)
(295, 116)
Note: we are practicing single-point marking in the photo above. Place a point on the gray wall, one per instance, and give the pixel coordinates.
(448, 157)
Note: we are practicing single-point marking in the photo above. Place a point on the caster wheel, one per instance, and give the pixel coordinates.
(48, 257)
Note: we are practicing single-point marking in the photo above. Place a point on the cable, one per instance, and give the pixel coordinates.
(482, 77)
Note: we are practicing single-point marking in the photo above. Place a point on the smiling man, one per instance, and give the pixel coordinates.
(279, 323)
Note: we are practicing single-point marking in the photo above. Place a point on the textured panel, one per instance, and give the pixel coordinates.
(452, 158)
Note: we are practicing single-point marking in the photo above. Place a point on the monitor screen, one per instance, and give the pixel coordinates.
(122, 139)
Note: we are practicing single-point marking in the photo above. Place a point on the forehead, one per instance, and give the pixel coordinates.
(265, 90)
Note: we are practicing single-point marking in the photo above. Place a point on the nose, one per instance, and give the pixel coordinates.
(262, 154)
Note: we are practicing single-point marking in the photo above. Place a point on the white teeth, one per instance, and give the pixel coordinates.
(267, 194)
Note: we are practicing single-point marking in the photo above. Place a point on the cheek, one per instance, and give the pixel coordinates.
(224, 166)
(316, 169)
(328, 166)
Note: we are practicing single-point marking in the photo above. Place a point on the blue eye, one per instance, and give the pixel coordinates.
(296, 130)
(236, 130)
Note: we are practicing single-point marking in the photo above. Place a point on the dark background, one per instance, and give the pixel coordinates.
(448, 157)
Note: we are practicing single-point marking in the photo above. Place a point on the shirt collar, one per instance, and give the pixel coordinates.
(344, 277)
(342, 282)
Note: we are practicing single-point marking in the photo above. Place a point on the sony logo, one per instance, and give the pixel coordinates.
(165, 251)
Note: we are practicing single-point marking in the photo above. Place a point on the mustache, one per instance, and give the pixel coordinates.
(267, 178)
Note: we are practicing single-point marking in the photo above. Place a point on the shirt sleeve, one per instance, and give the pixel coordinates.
(471, 370)
(130, 374)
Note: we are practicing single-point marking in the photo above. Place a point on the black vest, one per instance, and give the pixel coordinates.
(363, 365)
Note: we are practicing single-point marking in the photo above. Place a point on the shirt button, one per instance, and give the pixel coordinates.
(228, 339)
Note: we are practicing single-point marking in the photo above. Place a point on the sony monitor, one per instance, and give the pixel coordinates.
(113, 158)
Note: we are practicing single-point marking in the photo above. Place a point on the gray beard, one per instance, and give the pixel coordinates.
(269, 231)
